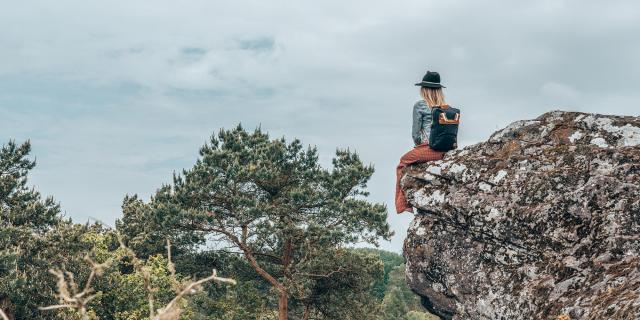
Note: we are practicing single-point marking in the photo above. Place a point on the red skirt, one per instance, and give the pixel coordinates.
(420, 153)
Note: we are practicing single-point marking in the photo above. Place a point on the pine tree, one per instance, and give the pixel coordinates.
(272, 202)
(25, 222)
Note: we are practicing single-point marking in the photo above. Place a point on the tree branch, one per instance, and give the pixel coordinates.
(171, 309)
(3, 315)
(248, 253)
(268, 255)
(68, 293)
(286, 257)
(327, 275)
(307, 312)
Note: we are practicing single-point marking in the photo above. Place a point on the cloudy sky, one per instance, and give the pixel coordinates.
(117, 95)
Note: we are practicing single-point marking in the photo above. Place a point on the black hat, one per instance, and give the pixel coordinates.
(431, 80)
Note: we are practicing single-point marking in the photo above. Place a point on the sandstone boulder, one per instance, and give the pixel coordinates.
(542, 221)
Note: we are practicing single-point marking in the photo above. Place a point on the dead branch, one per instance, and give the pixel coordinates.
(71, 298)
(172, 311)
(3, 315)
(68, 294)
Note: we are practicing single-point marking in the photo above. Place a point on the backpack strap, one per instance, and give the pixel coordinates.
(443, 119)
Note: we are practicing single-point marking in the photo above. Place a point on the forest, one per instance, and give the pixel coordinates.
(256, 229)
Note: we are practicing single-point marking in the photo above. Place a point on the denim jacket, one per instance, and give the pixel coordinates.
(421, 122)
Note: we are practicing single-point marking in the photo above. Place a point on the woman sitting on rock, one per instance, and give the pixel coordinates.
(434, 131)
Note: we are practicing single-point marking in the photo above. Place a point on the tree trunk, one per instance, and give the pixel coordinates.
(307, 312)
(283, 303)
(283, 306)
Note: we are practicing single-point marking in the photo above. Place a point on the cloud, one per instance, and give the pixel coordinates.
(559, 91)
(117, 95)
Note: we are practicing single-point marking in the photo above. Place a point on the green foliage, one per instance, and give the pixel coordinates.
(126, 295)
(390, 261)
(22, 207)
(271, 201)
(394, 305)
(417, 315)
(399, 301)
(34, 238)
(123, 290)
(147, 228)
(251, 207)
(344, 292)
(27, 237)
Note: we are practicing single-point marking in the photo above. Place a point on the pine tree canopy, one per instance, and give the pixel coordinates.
(273, 202)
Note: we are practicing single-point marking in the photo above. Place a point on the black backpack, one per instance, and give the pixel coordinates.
(444, 128)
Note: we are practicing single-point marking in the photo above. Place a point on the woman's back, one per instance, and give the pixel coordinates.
(426, 126)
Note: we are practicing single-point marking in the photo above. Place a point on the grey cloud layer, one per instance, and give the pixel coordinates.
(118, 95)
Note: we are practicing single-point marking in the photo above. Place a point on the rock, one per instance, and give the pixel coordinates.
(542, 221)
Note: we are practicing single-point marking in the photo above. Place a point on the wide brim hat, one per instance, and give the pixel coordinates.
(431, 80)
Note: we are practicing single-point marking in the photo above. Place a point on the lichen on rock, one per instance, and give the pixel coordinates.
(540, 221)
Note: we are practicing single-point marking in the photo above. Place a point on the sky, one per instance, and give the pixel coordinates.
(117, 95)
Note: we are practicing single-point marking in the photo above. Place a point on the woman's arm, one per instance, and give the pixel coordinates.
(416, 129)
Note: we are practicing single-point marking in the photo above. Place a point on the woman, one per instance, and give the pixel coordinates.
(432, 96)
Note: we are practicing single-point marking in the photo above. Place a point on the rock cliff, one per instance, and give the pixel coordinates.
(542, 221)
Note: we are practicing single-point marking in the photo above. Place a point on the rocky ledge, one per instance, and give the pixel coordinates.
(542, 221)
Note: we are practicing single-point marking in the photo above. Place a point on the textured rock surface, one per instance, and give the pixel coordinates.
(541, 221)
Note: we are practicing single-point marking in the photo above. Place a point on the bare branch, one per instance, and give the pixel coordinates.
(68, 294)
(248, 253)
(3, 315)
(71, 298)
(171, 311)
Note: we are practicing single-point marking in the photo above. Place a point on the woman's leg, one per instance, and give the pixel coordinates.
(421, 153)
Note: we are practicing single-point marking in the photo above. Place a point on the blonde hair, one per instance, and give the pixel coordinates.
(432, 96)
